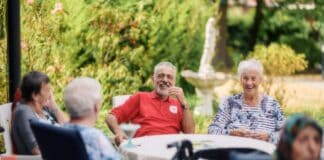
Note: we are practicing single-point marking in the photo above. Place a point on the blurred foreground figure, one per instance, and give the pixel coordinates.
(82, 98)
(301, 139)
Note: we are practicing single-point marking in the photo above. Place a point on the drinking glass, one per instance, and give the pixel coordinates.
(129, 129)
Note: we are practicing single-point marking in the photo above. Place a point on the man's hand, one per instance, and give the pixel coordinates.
(178, 93)
(119, 137)
(188, 124)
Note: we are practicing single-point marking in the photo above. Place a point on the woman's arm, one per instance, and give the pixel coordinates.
(60, 116)
(23, 130)
(279, 119)
(221, 119)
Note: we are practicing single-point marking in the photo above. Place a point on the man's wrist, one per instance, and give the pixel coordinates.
(185, 107)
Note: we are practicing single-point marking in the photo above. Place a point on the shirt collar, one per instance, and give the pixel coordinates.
(154, 95)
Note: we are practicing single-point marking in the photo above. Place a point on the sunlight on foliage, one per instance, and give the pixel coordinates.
(279, 60)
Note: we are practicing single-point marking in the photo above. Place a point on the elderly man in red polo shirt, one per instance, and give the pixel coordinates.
(162, 111)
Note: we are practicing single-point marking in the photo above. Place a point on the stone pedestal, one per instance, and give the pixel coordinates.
(205, 84)
(204, 105)
(206, 79)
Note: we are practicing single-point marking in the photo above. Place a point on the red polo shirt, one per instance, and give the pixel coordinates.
(153, 114)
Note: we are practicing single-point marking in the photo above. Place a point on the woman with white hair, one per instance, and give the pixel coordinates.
(82, 98)
(250, 113)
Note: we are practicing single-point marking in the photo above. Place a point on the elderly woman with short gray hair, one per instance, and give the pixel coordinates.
(250, 113)
(82, 98)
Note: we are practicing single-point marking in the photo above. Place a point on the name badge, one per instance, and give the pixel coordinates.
(173, 109)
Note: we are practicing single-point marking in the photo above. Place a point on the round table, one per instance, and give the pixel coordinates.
(155, 147)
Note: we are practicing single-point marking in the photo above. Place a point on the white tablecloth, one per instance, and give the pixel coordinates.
(155, 147)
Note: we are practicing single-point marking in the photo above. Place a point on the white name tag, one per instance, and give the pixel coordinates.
(173, 109)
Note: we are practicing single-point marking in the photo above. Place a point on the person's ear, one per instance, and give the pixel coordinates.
(35, 97)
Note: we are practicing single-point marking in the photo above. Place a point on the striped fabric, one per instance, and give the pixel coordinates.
(234, 114)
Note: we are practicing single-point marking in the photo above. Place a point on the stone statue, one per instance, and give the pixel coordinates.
(209, 47)
(206, 79)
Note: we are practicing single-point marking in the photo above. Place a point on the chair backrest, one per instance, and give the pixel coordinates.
(254, 155)
(231, 154)
(118, 100)
(185, 152)
(5, 122)
(58, 142)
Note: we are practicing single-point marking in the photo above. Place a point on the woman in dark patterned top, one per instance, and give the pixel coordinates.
(37, 103)
(250, 113)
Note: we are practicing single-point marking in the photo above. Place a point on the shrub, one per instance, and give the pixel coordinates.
(115, 42)
(278, 60)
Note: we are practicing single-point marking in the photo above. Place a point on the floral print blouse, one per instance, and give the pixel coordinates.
(97, 145)
(234, 114)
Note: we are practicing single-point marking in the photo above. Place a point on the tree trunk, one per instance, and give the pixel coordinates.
(2, 18)
(256, 25)
(222, 59)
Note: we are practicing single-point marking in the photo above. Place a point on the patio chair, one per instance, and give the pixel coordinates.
(231, 154)
(58, 142)
(185, 152)
(118, 100)
(252, 155)
(5, 121)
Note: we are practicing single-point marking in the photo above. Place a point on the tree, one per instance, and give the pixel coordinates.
(222, 58)
(254, 30)
(2, 18)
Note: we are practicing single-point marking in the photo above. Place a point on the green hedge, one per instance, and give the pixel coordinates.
(116, 42)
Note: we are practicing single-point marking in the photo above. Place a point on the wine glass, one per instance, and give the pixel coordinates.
(129, 129)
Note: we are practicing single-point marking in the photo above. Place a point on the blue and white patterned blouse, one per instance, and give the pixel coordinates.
(97, 145)
(234, 114)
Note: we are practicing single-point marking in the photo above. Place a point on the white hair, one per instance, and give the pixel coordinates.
(164, 64)
(81, 95)
(251, 64)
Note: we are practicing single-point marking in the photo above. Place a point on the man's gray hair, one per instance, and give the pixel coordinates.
(81, 95)
(165, 64)
(251, 64)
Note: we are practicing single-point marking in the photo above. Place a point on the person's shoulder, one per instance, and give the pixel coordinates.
(92, 134)
(270, 99)
(236, 96)
(22, 109)
(141, 93)
(232, 98)
(270, 102)
(84, 130)
(90, 131)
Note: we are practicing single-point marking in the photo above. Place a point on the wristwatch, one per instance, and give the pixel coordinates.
(185, 107)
